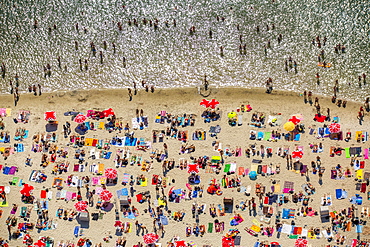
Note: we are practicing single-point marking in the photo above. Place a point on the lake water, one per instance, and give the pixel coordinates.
(170, 56)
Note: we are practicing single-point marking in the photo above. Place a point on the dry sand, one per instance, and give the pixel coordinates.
(180, 101)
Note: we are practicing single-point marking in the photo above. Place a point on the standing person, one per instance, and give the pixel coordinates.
(360, 117)
(364, 78)
(152, 88)
(135, 89)
(205, 83)
(130, 94)
(34, 89)
(318, 79)
(39, 86)
(101, 57)
(305, 97)
(11, 87)
(15, 99)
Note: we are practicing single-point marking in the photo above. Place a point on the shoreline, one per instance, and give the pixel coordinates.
(213, 92)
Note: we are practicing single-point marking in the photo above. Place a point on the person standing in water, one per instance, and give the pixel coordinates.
(318, 79)
(135, 89)
(205, 83)
(101, 57)
(39, 86)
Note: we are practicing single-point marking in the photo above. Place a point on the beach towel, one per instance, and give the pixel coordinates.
(125, 178)
(260, 135)
(288, 187)
(297, 137)
(366, 153)
(347, 152)
(13, 170)
(210, 227)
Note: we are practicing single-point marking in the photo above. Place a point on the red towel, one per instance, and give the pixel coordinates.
(363, 188)
(266, 201)
(362, 164)
(43, 194)
(95, 141)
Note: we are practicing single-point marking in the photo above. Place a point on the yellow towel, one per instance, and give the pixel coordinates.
(101, 169)
(144, 183)
(360, 174)
(277, 188)
(2, 149)
(255, 228)
(88, 141)
(358, 135)
(161, 202)
(254, 168)
(8, 112)
(102, 180)
(101, 125)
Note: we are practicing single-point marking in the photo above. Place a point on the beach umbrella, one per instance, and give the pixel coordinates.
(108, 112)
(106, 195)
(50, 116)
(150, 238)
(334, 127)
(81, 206)
(204, 103)
(294, 120)
(180, 243)
(110, 173)
(231, 114)
(26, 190)
(80, 118)
(275, 244)
(39, 244)
(300, 242)
(289, 126)
(118, 223)
(193, 168)
(27, 239)
(213, 103)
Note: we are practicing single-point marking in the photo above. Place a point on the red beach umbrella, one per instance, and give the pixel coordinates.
(301, 242)
(81, 206)
(106, 195)
(39, 244)
(294, 120)
(180, 243)
(150, 238)
(80, 118)
(334, 127)
(204, 103)
(118, 223)
(110, 173)
(50, 116)
(193, 168)
(108, 112)
(26, 190)
(213, 103)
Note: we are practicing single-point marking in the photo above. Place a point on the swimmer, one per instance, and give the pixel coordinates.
(124, 62)
(152, 88)
(104, 45)
(174, 22)
(76, 45)
(280, 38)
(80, 62)
(221, 51)
(76, 26)
(86, 65)
(101, 57)
(210, 34)
(59, 63)
(114, 47)
(35, 24)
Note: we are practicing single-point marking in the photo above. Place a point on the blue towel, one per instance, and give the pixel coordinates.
(131, 216)
(285, 213)
(87, 124)
(20, 147)
(297, 137)
(260, 135)
(76, 231)
(338, 194)
(124, 192)
(108, 155)
(3, 139)
(164, 220)
(25, 134)
(130, 141)
(6, 170)
(195, 193)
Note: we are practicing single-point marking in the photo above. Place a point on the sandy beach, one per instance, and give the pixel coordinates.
(281, 106)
